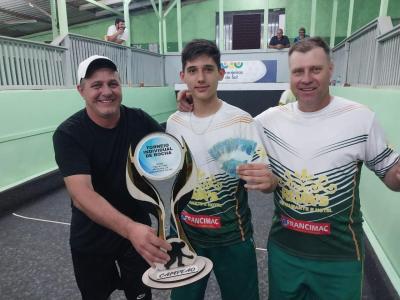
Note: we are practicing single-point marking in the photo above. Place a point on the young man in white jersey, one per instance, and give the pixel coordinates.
(217, 219)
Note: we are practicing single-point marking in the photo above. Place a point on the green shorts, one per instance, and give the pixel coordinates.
(235, 267)
(292, 277)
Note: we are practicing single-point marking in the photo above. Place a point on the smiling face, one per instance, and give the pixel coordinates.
(310, 74)
(103, 96)
(201, 76)
(120, 25)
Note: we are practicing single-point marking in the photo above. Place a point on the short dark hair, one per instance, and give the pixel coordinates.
(199, 47)
(308, 44)
(118, 20)
(302, 29)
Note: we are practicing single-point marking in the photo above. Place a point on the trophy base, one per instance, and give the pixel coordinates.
(172, 278)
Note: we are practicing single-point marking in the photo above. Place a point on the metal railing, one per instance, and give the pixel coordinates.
(370, 56)
(361, 55)
(134, 65)
(32, 65)
(26, 64)
(387, 71)
(339, 57)
(80, 47)
(147, 68)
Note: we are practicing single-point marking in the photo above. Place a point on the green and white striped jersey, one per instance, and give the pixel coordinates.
(318, 157)
(218, 213)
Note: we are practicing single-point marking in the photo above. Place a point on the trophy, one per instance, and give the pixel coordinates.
(159, 156)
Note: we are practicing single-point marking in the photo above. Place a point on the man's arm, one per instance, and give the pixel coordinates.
(184, 101)
(257, 177)
(142, 237)
(286, 42)
(272, 43)
(392, 178)
(114, 36)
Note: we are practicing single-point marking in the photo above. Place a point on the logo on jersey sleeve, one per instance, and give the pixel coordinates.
(201, 221)
(306, 226)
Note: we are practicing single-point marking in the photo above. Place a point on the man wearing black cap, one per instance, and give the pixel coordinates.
(111, 240)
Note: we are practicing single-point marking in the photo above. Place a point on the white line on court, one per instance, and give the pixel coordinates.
(41, 220)
(49, 221)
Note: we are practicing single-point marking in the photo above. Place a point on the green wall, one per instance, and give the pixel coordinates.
(198, 20)
(29, 119)
(95, 29)
(363, 13)
(295, 20)
(380, 205)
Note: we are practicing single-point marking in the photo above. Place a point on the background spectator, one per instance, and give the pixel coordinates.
(279, 41)
(302, 35)
(117, 33)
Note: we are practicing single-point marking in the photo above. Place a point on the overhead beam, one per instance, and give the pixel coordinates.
(33, 5)
(169, 7)
(313, 17)
(221, 25)
(62, 17)
(333, 23)
(127, 21)
(166, 12)
(155, 9)
(133, 6)
(54, 18)
(266, 22)
(103, 6)
(179, 23)
(91, 6)
(350, 20)
(17, 22)
(160, 26)
(23, 16)
(383, 10)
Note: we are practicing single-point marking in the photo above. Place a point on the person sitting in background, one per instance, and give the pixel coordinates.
(302, 35)
(279, 41)
(117, 33)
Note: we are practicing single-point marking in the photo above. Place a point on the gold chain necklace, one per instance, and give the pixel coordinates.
(204, 130)
(220, 103)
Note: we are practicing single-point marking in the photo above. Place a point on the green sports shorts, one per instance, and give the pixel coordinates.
(292, 277)
(235, 267)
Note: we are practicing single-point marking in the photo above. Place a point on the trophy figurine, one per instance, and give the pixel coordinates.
(159, 156)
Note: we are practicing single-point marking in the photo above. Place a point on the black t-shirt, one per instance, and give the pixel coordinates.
(283, 41)
(83, 147)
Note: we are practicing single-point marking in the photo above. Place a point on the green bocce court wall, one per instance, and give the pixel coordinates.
(29, 118)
